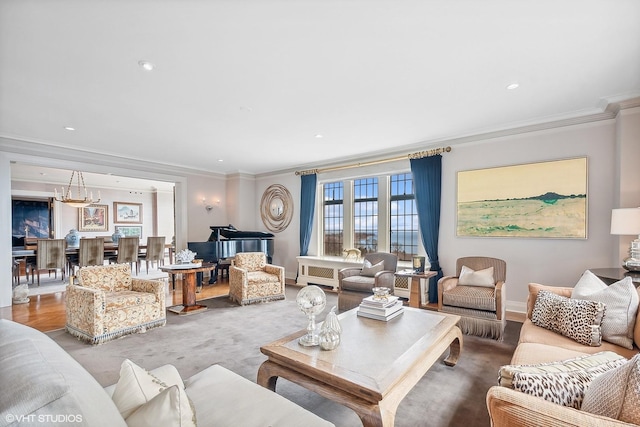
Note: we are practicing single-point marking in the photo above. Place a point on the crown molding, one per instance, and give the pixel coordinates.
(61, 157)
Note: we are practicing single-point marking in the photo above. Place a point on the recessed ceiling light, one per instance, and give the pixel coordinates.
(69, 128)
(318, 136)
(513, 86)
(146, 65)
(220, 160)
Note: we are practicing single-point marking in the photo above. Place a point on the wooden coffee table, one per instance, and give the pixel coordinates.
(374, 367)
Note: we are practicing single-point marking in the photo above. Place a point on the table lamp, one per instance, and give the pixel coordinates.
(626, 222)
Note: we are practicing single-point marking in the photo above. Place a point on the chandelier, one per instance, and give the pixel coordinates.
(79, 201)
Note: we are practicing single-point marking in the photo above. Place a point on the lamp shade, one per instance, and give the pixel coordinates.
(625, 221)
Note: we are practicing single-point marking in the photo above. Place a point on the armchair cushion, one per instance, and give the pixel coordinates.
(124, 299)
(469, 277)
(370, 270)
(474, 297)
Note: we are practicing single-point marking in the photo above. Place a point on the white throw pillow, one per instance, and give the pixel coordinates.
(616, 394)
(163, 410)
(371, 270)
(469, 277)
(621, 299)
(137, 386)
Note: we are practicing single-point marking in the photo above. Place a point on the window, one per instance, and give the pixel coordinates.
(333, 218)
(403, 217)
(365, 214)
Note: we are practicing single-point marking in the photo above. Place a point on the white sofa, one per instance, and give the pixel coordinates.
(43, 385)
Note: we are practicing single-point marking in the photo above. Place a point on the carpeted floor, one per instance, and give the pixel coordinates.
(232, 335)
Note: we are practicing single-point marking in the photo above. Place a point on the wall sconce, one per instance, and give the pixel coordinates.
(209, 207)
(626, 222)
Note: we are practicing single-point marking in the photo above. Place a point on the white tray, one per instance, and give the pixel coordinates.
(183, 266)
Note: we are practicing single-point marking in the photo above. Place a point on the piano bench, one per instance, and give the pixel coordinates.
(222, 266)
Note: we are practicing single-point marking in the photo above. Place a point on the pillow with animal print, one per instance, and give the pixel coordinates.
(574, 318)
(590, 363)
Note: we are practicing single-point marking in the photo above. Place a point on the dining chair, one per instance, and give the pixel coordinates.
(90, 252)
(50, 256)
(155, 251)
(128, 252)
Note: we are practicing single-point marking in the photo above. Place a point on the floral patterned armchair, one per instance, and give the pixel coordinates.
(252, 280)
(108, 303)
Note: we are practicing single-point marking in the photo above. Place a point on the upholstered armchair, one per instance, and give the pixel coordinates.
(252, 280)
(477, 294)
(356, 283)
(108, 303)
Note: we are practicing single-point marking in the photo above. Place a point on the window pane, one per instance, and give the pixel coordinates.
(333, 218)
(365, 214)
(403, 217)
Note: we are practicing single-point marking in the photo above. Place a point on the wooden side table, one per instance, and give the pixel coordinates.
(189, 305)
(415, 296)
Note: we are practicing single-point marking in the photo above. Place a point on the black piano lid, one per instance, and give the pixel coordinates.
(230, 232)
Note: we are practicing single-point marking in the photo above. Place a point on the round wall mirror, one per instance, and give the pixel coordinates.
(276, 208)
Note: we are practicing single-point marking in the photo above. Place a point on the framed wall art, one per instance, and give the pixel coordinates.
(93, 218)
(131, 230)
(547, 199)
(127, 212)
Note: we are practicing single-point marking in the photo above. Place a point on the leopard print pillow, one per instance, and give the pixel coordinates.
(574, 318)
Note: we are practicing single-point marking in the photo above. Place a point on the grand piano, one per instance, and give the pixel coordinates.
(226, 241)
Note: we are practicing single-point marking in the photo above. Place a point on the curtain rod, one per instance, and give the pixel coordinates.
(418, 155)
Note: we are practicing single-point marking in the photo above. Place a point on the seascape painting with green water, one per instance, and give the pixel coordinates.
(546, 199)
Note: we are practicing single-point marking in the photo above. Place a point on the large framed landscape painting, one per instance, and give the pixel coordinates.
(540, 200)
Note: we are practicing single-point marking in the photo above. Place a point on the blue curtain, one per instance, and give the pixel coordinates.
(307, 208)
(427, 181)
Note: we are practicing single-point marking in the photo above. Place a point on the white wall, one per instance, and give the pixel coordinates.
(549, 261)
(286, 242)
(213, 190)
(627, 194)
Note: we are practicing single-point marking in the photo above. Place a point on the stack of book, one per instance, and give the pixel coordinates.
(380, 309)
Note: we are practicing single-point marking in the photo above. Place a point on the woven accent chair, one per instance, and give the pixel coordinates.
(128, 252)
(482, 308)
(353, 286)
(108, 303)
(50, 256)
(252, 280)
(155, 251)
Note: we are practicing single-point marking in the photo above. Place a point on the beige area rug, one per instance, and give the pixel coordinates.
(51, 285)
(231, 335)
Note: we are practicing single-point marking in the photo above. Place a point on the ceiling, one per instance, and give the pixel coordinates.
(259, 86)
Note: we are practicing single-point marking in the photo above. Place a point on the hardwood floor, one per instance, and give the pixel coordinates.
(47, 312)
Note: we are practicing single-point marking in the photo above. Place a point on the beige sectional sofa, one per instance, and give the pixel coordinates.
(43, 385)
(508, 407)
